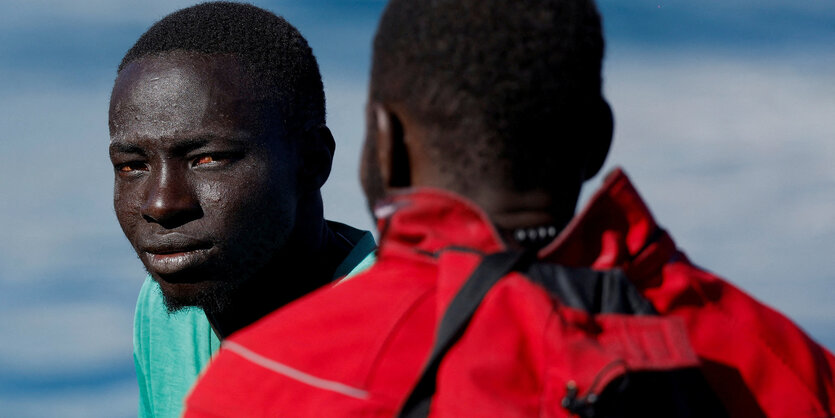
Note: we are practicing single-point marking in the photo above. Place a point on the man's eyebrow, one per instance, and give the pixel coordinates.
(183, 145)
(124, 148)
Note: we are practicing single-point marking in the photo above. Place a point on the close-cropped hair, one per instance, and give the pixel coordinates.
(511, 83)
(277, 59)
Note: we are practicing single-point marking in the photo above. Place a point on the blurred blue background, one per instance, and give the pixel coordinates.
(725, 120)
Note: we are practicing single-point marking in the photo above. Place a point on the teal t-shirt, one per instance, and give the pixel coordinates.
(170, 350)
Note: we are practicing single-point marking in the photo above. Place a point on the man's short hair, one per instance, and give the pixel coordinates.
(510, 85)
(277, 58)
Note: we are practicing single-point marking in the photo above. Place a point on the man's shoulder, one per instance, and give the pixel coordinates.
(326, 324)
(378, 295)
(326, 347)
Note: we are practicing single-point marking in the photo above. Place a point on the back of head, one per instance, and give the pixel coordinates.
(277, 58)
(509, 90)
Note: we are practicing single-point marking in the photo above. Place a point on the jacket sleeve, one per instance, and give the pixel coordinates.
(757, 360)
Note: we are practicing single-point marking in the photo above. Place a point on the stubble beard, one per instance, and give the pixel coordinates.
(221, 281)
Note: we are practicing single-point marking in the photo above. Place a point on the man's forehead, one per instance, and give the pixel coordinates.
(174, 75)
(157, 96)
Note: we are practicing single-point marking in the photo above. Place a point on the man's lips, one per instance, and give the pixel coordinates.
(175, 255)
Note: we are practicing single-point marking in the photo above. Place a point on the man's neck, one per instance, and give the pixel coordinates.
(513, 211)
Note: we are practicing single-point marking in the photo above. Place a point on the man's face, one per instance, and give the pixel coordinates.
(205, 189)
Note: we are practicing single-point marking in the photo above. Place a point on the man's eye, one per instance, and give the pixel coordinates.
(214, 159)
(131, 167)
(206, 159)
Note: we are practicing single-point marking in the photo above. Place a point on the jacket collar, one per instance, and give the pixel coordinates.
(614, 230)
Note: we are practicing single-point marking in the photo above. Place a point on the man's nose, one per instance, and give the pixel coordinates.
(171, 200)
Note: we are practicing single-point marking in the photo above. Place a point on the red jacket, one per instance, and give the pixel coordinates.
(357, 349)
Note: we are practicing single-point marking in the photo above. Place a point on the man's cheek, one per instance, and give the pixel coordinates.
(212, 194)
(125, 219)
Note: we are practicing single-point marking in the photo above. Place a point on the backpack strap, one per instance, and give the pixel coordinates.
(456, 318)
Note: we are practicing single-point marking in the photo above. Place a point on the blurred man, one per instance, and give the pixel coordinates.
(490, 296)
(220, 148)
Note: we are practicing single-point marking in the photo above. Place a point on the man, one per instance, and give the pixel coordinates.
(220, 148)
(490, 297)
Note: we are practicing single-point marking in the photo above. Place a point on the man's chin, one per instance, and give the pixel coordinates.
(210, 296)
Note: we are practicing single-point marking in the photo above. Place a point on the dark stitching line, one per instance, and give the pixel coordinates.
(436, 254)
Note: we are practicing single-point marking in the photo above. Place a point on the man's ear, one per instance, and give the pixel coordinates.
(601, 135)
(392, 153)
(317, 149)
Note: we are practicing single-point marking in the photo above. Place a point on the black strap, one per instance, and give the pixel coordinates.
(492, 268)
